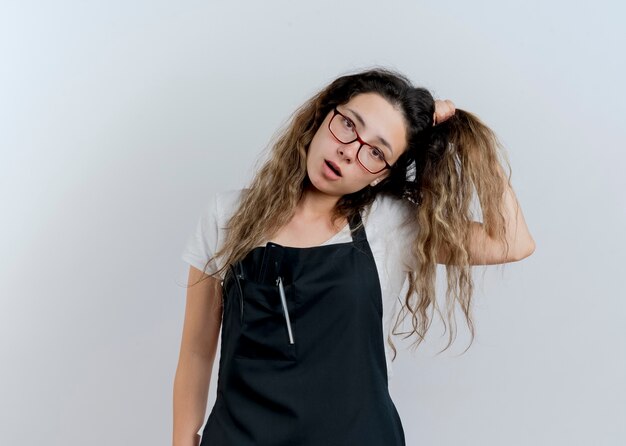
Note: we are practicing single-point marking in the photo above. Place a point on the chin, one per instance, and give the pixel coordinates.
(320, 185)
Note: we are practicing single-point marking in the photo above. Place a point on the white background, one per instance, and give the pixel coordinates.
(119, 119)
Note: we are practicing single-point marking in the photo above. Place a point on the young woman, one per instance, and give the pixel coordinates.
(367, 189)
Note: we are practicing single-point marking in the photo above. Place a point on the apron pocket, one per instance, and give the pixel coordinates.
(264, 331)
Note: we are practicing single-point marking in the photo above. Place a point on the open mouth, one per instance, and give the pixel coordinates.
(333, 167)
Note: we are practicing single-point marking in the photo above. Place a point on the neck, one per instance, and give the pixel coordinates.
(315, 203)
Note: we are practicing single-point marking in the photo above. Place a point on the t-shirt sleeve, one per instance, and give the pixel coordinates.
(203, 241)
(405, 233)
(392, 218)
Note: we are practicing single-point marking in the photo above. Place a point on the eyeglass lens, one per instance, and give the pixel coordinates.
(371, 158)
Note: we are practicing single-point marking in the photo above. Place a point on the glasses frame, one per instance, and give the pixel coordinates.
(358, 138)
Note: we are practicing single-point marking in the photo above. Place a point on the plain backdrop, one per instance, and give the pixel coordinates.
(119, 119)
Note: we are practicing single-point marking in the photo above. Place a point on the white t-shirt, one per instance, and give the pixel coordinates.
(388, 238)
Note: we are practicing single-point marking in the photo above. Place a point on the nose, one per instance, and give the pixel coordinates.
(348, 151)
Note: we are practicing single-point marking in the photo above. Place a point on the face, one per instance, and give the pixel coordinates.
(377, 123)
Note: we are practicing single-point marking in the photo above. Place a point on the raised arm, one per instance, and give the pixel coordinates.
(485, 250)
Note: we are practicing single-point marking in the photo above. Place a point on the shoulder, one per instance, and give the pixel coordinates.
(389, 210)
(210, 231)
(221, 205)
(393, 225)
(228, 199)
(216, 213)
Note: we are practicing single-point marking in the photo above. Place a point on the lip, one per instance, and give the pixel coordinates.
(335, 166)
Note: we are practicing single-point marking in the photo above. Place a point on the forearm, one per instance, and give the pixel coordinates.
(191, 387)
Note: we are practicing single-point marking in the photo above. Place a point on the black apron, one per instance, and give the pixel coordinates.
(315, 374)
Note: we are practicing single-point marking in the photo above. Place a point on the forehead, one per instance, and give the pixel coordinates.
(381, 120)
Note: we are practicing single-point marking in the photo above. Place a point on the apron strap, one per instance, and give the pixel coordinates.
(357, 229)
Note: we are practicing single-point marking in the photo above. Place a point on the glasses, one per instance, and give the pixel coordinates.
(372, 158)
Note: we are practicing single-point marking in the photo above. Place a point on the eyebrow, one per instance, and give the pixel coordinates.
(380, 138)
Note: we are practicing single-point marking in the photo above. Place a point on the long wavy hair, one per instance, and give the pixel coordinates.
(436, 175)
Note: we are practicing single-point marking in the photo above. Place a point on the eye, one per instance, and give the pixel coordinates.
(347, 123)
(377, 153)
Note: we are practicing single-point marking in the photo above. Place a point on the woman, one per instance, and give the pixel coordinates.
(369, 187)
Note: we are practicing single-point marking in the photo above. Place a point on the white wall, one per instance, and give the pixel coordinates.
(118, 119)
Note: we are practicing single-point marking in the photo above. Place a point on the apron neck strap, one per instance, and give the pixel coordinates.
(357, 229)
